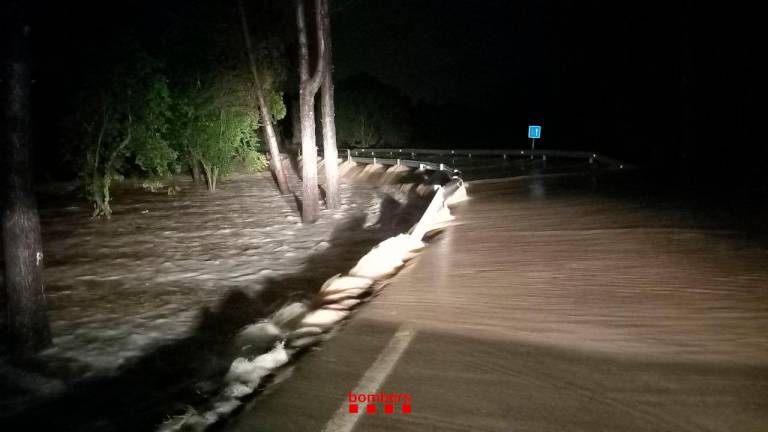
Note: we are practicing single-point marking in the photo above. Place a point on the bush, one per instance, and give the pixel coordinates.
(255, 161)
(119, 125)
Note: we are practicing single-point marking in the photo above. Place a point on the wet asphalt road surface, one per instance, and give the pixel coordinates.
(551, 305)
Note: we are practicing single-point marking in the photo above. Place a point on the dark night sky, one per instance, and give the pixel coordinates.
(622, 77)
(645, 80)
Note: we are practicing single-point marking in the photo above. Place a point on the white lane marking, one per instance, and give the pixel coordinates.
(343, 421)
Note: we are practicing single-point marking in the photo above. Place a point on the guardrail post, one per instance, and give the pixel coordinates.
(442, 167)
(398, 162)
(374, 160)
(349, 155)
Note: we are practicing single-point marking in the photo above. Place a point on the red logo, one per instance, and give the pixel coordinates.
(388, 403)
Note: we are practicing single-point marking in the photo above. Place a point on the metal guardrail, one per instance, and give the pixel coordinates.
(381, 154)
(420, 165)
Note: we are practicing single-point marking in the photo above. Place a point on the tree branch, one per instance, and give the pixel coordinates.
(317, 77)
(313, 81)
(303, 48)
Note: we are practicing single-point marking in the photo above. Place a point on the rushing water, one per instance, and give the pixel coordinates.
(144, 307)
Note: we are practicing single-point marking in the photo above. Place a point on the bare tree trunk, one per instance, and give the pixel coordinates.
(310, 208)
(330, 152)
(211, 173)
(307, 90)
(28, 327)
(276, 161)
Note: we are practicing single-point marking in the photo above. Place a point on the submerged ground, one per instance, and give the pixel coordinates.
(143, 307)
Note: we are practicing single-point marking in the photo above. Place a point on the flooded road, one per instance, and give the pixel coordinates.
(536, 261)
(555, 303)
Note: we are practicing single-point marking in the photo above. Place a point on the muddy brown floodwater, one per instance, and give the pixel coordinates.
(569, 303)
(535, 262)
(144, 307)
(586, 302)
(116, 287)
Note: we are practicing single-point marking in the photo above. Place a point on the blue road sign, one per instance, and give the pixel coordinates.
(534, 132)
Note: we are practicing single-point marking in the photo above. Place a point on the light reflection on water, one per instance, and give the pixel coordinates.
(588, 262)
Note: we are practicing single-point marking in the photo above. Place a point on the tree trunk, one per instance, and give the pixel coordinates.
(28, 328)
(330, 151)
(194, 166)
(310, 207)
(276, 162)
(210, 175)
(109, 173)
(307, 90)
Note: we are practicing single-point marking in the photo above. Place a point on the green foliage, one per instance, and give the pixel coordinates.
(136, 115)
(150, 149)
(217, 118)
(276, 105)
(119, 125)
(255, 161)
(153, 184)
(217, 122)
(272, 68)
(370, 113)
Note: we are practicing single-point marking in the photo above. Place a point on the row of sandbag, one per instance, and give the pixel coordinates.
(295, 326)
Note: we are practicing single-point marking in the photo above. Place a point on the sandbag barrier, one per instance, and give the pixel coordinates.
(297, 327)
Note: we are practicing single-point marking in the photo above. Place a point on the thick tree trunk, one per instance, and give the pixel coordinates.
(307, 90)
(28, 327)
(310, 207)
(330, 152)
(276, 162)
